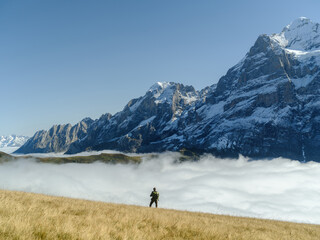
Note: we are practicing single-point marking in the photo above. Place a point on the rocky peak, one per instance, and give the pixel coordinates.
(87, 121)
(302, 35)
(159, 87)
(264, 61)
(165, 91)
(291, 57)
(162, 99)
(105, 117)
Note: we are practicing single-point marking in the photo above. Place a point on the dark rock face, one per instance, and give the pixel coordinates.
(268, 105)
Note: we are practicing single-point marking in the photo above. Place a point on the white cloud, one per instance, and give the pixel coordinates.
(276, 189)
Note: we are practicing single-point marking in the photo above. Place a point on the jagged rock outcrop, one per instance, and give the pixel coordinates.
(267, 105)
(56, 139)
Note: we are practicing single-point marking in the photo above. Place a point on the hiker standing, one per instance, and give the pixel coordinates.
(154, 197)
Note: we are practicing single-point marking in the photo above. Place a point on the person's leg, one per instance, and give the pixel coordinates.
(156, 201)
(151, 203)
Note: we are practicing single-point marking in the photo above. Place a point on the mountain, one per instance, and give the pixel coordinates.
(267, 105)
(56, 139)
(12, 141)
(142, 123)
(130, 130)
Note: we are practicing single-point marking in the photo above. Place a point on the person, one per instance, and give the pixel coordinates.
(154, 197)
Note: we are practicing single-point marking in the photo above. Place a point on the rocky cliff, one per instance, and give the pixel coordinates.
(56, 139)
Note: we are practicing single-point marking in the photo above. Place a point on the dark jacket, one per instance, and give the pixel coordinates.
(154, 195)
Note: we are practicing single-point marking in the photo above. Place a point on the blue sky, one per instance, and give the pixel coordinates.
(63, 60)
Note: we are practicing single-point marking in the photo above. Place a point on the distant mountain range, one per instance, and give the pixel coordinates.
(12, 141)
(267, 105)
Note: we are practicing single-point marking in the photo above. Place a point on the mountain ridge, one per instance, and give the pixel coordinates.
(265, 106)
(56, 139)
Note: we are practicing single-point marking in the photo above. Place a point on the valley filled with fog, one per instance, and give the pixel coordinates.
(279, 189)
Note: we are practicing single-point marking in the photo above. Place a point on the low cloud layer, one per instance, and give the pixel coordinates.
(276, 189)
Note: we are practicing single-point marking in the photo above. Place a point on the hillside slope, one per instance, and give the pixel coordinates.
(35, 216)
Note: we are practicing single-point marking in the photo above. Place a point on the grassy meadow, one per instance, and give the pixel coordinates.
(111, 158)
(102, 157)
(36, 216)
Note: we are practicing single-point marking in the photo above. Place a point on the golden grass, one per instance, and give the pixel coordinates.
(35, 216)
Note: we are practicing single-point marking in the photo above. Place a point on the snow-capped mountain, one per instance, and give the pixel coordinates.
(301, 35)
(12, 141)
(267, 105)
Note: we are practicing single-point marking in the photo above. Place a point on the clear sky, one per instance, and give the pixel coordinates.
(63, 60)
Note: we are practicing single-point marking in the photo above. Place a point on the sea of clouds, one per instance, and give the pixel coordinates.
(279, 189)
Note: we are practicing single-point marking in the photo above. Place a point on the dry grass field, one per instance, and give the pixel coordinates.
(35, 216)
